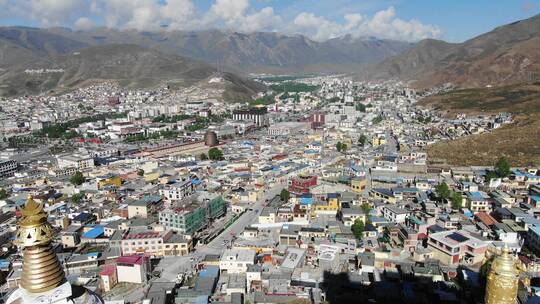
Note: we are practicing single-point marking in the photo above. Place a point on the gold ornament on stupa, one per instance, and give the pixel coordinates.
(41, 269)
(502, 279)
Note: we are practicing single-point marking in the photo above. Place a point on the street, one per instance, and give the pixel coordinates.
(170, 267)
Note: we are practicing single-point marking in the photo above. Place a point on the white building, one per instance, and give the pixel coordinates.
(287, 128)
(395, 214)
(78, 161)
(237, 260)
(179, 190)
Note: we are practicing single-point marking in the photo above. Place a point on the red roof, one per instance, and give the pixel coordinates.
(132, 259)
(108, 270)
(485, 218)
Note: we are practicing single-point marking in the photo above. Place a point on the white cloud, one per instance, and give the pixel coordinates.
(45, 12)
(384, 24)
(316, 27)
(83, 23)
(237, 15)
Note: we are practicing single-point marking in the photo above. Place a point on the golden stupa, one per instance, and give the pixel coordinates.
(502, 279)
(41, 269)
(43, 279)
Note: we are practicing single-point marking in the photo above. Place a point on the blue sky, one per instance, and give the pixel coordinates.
(411, 20)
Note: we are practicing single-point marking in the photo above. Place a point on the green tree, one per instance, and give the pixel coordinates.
(484, 269)
(443, 191)
(344, 147)
(3, 194)
(77, 178)
(284, 195)
(215, 154)
(140, 172)
(203, 156)
(77, 198)
(360, 107)
(366, 208)
(358, 228)
(490, 175)
(457, 200)
(377, 120)
(362, 140)
(339, 146)
(502, 168)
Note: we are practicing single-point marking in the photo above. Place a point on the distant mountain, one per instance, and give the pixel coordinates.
(508, 54)
(254, 52)
(130, 65)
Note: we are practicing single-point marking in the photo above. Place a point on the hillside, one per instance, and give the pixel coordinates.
(254, 52)
(130, 65)
(521, 99)
(506, 55)
(519, 142)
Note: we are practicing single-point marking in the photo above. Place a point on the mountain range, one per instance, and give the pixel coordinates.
(508, 54)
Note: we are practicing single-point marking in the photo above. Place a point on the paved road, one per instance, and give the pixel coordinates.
(391, 143)
(170, 267)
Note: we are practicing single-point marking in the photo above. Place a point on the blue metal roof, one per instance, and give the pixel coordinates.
(209, 272)
(94, 233)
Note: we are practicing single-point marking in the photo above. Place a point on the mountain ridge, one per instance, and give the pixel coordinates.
(253, 52)
(505, 55)
(129, 64)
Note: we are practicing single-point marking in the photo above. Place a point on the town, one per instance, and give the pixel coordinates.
(319, 190)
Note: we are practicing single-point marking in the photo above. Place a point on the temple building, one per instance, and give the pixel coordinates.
(502, 279)
(43, 279)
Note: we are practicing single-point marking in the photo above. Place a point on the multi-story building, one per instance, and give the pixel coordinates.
(236, 260)
(477, 202)
(287, 128)
(194, 213)
(155, 243)
(78, 161)
(8, 168)
(302, 184)
(259, 116)
(179, 190)
(395, 214)
(453, 247)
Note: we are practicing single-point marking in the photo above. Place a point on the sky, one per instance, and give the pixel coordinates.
(407, 20)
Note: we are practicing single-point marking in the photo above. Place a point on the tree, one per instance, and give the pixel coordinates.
(140, 172)
(360, 107)
(443, 191)
(77, 198)
(344, 147)
(284, 195)
(490, 175)
(366, 208)
(203, 156)
(3, 194)
(77, 178)
(457, 200)
(358, 228)
(484, 269)
(215, 154)
(362, 140)
(502, 168)
(339, 146)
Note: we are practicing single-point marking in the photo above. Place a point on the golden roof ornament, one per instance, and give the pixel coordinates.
(33, 226)
(502, 279)
(41, 269)
(43, 279)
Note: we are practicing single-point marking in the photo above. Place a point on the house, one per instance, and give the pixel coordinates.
(454, 247)
(477, 202)
(395, 214)
(236, 260)
(132, 269)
